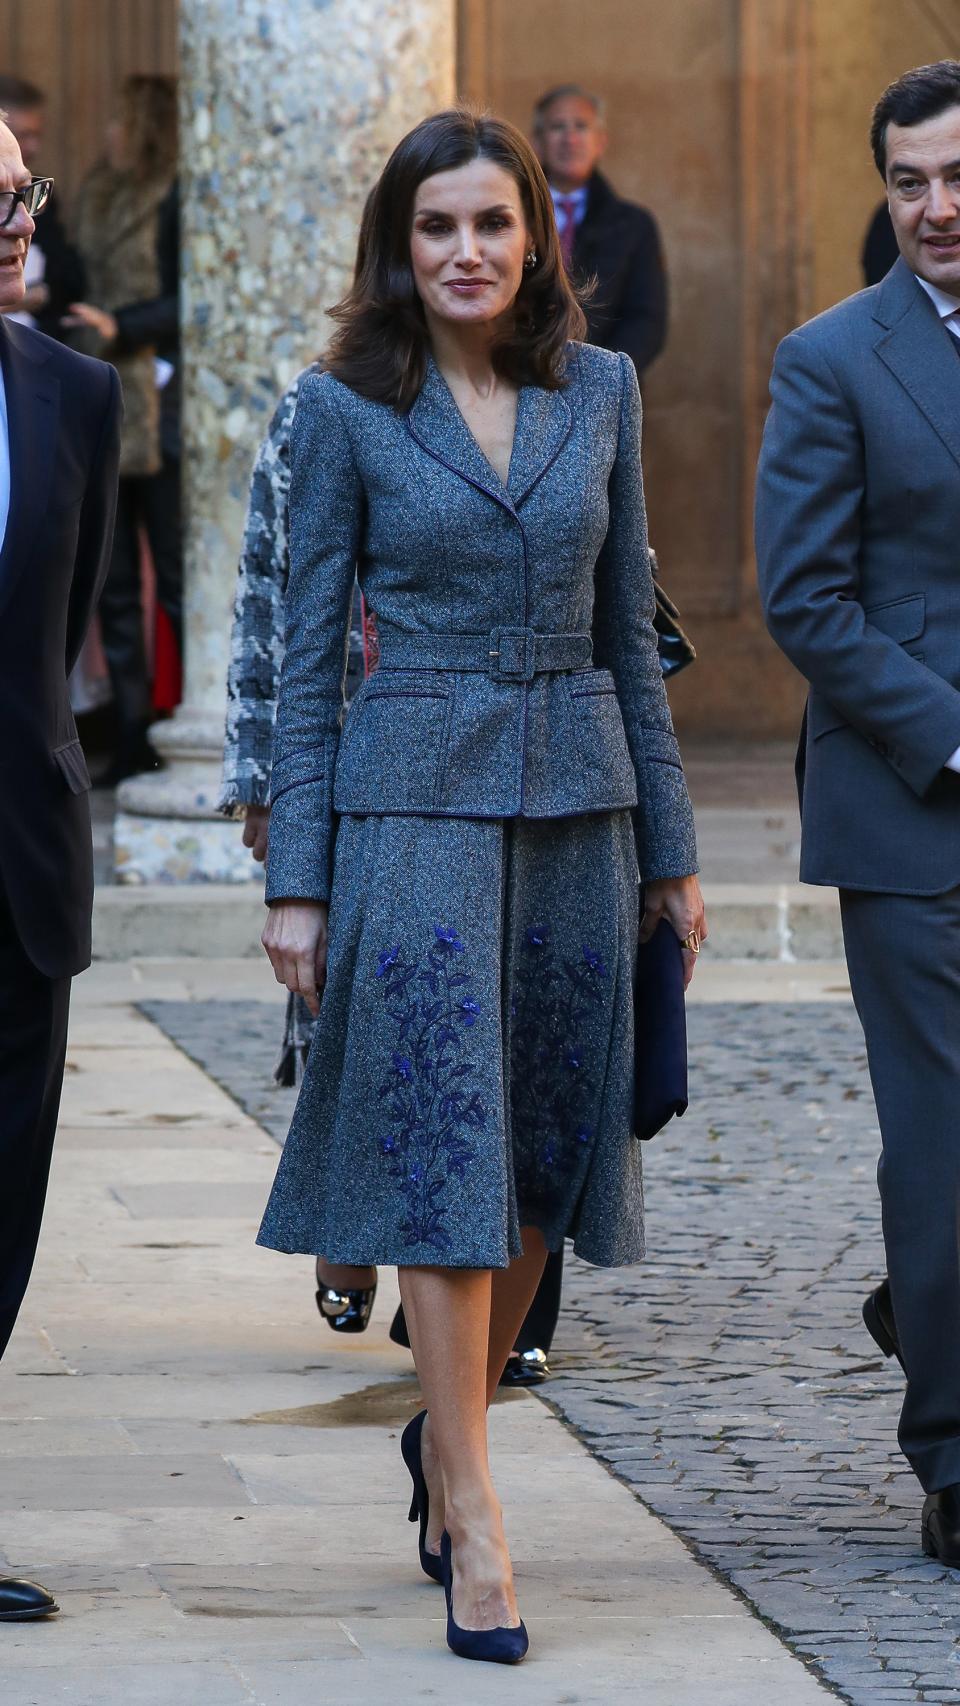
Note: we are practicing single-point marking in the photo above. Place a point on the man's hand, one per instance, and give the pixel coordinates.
(295, 940)
(679, 900)
(256, 831)
(84, 314)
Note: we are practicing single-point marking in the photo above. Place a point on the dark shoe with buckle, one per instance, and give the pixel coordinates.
(940, 1526)
(345, 1311)
(526, 1368)
(22, 1601)
(879, 1322)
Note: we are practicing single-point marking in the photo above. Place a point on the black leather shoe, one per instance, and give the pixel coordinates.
(526, 1368)
(940, 1527)
(20, 1601)
(879, 1322)
(345, 1311)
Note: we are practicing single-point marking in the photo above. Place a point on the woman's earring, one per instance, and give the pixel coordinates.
(531, 260)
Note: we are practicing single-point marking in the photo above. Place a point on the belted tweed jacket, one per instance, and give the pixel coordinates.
(518, 673)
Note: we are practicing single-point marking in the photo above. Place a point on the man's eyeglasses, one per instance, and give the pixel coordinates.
(34, 196)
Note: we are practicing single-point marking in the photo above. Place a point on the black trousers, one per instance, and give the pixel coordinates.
(903, 954)
(33, 1043)
(541, 1322)
(151, 501)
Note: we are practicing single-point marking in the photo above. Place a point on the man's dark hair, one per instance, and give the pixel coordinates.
(916, 96)
(17, 92)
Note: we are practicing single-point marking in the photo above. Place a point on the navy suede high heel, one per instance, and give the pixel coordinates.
(497, 1646)
(411, 1447)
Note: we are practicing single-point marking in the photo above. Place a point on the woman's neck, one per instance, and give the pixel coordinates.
(463, 354)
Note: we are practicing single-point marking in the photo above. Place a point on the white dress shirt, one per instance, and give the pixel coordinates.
(4, 461)
(948, 308)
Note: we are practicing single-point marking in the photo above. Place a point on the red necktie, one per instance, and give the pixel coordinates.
(568, 207)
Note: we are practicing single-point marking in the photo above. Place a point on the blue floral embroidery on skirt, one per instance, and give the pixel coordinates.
(431, 1108)
(552, 1088)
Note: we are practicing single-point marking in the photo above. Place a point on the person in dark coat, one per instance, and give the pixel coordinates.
(602, 237)
(880, 248)
(55, 274)
(128, 232)
(59, 450)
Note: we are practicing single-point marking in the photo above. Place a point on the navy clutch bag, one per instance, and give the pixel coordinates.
(660, 1034)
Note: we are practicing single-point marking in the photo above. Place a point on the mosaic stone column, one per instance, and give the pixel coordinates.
(288, 113)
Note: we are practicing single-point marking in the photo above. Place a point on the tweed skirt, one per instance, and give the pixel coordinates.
(471, 1071)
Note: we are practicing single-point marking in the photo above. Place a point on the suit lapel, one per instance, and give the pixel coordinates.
(544, 423)
(33, 403)
(916, 349)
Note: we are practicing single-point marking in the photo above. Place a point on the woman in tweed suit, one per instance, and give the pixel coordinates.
(455, 863)
(344, 1294)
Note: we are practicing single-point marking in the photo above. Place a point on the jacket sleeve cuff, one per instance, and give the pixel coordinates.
(664, 830)
(300, 848)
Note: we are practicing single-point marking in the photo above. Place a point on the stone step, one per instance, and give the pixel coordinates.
(783, 922)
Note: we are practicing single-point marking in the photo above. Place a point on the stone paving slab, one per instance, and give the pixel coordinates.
(247, 1540)
(729, 1380)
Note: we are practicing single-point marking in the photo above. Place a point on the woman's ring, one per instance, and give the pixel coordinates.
(692, 942)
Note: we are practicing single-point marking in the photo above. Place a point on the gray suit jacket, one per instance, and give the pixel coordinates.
(486, 703)
(858, 546)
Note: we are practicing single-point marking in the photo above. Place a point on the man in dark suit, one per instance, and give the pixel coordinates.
(858, 535)
(59, 449)
(602, 237)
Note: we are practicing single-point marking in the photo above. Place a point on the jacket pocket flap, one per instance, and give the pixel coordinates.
(72, 765)
(902, 620)
(661, 747)
(298, 768)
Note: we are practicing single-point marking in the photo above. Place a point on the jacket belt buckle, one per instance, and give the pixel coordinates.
(512, 655)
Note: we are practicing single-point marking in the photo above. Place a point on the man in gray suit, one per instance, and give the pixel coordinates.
(858, 542)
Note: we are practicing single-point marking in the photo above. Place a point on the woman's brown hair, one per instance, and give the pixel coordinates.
(381, 346)
(149, 115)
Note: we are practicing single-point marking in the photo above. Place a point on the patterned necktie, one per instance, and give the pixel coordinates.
(568, 208)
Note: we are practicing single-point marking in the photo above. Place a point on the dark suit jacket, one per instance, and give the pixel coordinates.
(858, 523)
(618, 244)
(63, 412)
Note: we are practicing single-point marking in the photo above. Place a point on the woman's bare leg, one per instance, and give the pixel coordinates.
(339, 1277)
(448, 1315)
(465, 1320)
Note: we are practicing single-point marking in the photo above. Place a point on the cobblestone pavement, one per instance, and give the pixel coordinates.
(729, 1380)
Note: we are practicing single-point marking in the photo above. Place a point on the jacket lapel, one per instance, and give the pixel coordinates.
(915, 349)
(544, 423)
(33, 403)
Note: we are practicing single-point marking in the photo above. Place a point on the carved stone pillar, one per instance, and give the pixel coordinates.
(288, 113)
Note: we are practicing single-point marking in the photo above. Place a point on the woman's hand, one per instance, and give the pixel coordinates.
(295, 939)
(84, 314)
(679, 900)
(256, 829)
